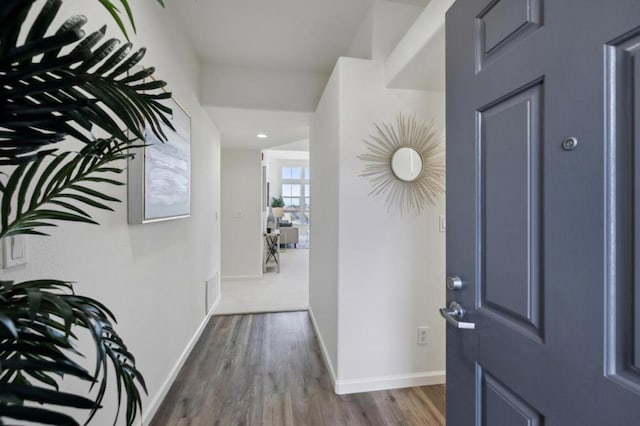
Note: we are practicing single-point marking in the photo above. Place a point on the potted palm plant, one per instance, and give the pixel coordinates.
(57, 86)
(277, 207)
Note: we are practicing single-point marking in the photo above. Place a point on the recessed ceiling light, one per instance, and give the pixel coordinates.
(262, 135)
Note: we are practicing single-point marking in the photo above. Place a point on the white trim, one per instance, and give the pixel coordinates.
(371, 384)
(241, 277)
(155, 403)
(214, 305)
(323, 349)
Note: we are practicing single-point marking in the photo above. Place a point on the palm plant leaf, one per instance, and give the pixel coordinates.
(115, 13)
(64, 84)
(54, 85)
(38, 349)
(62, 192)
(35, 414)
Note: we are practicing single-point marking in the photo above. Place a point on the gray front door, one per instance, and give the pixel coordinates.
(543, 194)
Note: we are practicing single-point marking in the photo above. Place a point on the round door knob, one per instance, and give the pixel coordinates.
(454, 283)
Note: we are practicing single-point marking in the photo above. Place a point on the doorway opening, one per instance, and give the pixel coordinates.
(283, 284)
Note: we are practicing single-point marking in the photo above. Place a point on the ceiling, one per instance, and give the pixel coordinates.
(239, 127)
(305, 35)
(265, 62)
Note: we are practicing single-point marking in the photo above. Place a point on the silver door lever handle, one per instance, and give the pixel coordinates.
(454, 314)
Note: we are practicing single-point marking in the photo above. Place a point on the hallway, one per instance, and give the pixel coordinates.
(275, 292)
(267, 370)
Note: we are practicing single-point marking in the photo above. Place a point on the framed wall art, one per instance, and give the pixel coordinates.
(159, 176)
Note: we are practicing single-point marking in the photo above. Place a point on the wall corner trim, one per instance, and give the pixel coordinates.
(370, 384)
(323, 349)
(154, 404)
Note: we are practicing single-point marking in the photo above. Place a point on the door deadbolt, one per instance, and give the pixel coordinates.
(454, 283)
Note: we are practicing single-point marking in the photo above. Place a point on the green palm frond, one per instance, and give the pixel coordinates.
(54, 85)
(115, 13)
(58, 188)
(63, 84)
(37, 351)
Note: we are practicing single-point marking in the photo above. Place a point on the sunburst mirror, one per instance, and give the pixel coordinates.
(405, 164)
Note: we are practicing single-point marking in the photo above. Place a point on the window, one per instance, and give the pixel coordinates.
(296, 193)
(291, 173)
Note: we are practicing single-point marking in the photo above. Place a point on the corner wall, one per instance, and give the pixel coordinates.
(151, 276)
(324, 226)
(390, 268)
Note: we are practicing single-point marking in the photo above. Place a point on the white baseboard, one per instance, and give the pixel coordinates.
(323, 349)
(371, 384)
(241, 277)
(154, 405)
(214, 306)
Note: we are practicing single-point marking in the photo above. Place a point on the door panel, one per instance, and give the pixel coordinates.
(500, 406)
(623, 96)
(544, 237)
(502, 24)
(502, 19)
(633, 54)
(510, 173)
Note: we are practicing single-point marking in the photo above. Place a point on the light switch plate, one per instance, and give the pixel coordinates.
(14, 251)
(443, 223)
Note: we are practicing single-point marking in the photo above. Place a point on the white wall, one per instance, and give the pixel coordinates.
(241, 213)
(390, 22)
(390, 268)
(323, 253)
(361, 44)
(381, 29)
(241, 87)
(152, 276)
(417, 61)
(298, 146)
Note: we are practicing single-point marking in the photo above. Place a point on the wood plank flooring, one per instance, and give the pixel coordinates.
(267, 369)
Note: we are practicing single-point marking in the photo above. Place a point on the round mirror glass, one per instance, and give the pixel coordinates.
(406, 164)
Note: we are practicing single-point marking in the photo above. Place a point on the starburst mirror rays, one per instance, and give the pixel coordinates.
(405, 164)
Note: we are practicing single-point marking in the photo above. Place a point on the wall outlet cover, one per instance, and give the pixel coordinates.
(423, 335)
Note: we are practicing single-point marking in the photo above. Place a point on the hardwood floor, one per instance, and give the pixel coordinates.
(267, 369)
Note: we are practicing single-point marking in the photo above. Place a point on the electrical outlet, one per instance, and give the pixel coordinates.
(423, 335)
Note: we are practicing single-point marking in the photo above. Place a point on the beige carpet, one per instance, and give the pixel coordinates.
(275, 292)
